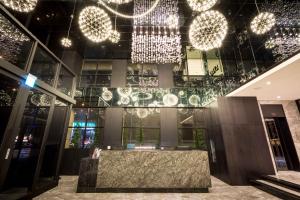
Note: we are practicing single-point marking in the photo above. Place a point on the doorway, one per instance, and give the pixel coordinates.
(280, 138)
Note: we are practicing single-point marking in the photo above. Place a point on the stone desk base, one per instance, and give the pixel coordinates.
(148, 171)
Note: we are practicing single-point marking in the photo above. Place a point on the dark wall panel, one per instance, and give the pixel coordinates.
(274, 110)
(113, 127)
(73, 60)
(168, 127)
(165, 76)
(245, 142)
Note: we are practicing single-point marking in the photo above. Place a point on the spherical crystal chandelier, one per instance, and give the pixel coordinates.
(270, 43)
(208, 30)
(170, 100)
(66, 42)
(118, 1)
(20, 5)
(114, 36)
(201, 5)
(263, 23)
(125, 92)
(95, 24)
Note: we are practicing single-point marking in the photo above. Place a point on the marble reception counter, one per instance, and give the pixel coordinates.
(153, 169)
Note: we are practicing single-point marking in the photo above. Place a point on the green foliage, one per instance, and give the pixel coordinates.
(200, 139)
(76, 137)
(97, 138)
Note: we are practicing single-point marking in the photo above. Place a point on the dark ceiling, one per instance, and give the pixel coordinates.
(50, 21)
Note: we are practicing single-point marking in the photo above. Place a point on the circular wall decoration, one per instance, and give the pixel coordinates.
(107, 95)
(194, 100)
(208, 30)
(142, 113)
(170, 100)
(21, 5)
(118, 1)
(201, 5)
(95, 24)
(263, 23)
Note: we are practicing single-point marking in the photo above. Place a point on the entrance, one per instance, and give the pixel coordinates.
(280, 138)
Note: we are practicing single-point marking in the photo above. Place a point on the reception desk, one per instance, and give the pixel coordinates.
(148, 170)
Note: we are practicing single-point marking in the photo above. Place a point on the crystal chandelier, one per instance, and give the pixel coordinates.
(263, 23)
(66, 42)
(284, 40)
(95, 24)
(20, 5)
(114, 36)
(156, 37)
(208, 30)
(201, 5)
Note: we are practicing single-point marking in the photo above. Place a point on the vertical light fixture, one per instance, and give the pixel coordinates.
(66, 41)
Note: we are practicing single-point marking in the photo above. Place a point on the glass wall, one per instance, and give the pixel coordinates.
(8, 92)
(65, 81)
(141, 127)
(54, 140)
(15, 44)
(86, 128)
(142, 75)
(29, 140)
(44, 66)
(191, 128)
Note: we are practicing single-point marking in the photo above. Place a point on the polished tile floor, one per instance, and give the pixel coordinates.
(67, 187)
(291, 176)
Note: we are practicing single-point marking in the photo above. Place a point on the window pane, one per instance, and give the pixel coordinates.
(44, 66)
(65, 81)
(8, 93)
(15, 45)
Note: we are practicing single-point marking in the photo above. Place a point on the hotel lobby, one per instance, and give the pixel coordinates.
(149, 99)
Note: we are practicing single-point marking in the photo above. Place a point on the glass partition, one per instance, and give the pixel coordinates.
(15, 44)
(44, 66)
(8, 92)
(141, 127)
(65, 81)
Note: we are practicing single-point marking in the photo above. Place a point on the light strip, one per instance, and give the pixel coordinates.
(129, 16)
(268, 73)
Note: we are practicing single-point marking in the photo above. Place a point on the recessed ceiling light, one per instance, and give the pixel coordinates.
(269, 83)
(278, 97)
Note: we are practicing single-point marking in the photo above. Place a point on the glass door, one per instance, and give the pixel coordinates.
(276, 144)
(28, 142)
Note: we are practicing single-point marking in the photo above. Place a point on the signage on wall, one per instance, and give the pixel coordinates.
(30, 80)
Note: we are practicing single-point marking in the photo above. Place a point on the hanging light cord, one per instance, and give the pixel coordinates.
(129, 16)
(72, 17)
(256, 6)
(116, 19)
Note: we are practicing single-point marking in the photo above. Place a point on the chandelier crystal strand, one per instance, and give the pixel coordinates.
(208, 30)
(101, 2)
(201, 5)
(118, 1)
(21, 5)
(155, 37)
(95, 24)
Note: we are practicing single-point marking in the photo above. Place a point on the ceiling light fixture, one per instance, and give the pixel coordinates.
(115, 35)
(208, 30)
(66, 41)
(201, 5)
(95, 24)
(263, 22)
(101, 2)
(21, 5)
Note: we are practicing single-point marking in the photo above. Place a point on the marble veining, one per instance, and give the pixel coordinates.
(153, 169)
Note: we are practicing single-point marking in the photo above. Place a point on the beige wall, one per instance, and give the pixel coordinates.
(293, 118)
